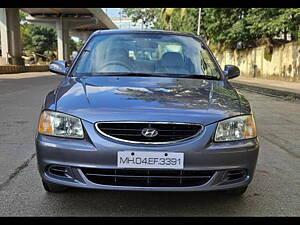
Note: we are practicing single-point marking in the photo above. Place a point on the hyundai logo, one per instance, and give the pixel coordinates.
(149, 132)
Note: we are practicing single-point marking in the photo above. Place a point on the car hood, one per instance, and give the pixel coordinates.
(116, 98)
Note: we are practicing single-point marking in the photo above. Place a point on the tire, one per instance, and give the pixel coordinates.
(53, 188)
(237, 191)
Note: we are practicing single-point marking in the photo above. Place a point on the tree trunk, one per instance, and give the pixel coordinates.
(285, 34)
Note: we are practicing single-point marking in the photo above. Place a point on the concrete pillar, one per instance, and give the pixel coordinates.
(63, 40)
(4, 35)
(11, 36)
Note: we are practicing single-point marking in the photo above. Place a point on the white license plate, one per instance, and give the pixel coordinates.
(153, 160)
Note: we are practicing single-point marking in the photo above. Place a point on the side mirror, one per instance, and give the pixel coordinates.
(231, 71)
(59, 67)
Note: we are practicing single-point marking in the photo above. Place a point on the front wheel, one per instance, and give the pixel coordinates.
(53, 188)
(237, 191)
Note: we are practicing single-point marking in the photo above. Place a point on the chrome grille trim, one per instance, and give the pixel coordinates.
(147, 122)
(178, 177)
(148, 178)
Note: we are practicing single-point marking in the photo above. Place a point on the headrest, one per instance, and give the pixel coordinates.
(116, 53)
(172, 59)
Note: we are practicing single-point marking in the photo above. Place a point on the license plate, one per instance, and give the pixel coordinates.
(153, 160)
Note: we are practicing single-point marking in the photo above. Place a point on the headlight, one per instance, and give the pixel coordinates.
(59, 124)
(237, 128)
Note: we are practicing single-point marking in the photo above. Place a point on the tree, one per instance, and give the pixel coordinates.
(148, 16)
(226, 27)
(171, 16)
(79, 44)
(73, 45)
(43, 39)
(36, 38)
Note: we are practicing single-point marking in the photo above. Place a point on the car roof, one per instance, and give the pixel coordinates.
(149, 31)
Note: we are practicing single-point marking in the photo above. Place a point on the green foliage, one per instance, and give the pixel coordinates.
(226, 27)
(35, 38)
(146, 15)
(43, 38)
(179, 20)
(249, 27)
(73, 45)
(273, 22)
(79, 44)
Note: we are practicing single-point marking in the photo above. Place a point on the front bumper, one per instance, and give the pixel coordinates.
(95, 151)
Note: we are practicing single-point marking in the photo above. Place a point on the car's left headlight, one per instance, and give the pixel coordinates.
(236, 128)
(60, 124)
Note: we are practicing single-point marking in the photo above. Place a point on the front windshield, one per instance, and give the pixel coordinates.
(145, 53)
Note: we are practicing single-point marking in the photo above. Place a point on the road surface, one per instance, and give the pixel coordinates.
(274, 190)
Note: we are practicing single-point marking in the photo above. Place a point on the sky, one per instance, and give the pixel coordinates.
(112, 12)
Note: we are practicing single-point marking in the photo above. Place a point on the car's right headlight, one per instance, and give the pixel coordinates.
(60, 124)
(236, 128)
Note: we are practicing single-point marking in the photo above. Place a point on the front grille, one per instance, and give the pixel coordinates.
(147, 178)
(132, 131)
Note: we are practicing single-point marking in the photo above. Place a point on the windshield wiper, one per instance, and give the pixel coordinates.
(198, 76)
(137, 74)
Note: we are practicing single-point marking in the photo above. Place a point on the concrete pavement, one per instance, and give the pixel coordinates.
(21, 97)
(274, 190)
(288, 90)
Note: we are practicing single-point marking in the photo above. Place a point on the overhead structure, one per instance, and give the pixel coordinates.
(80, 22)
(11, 47)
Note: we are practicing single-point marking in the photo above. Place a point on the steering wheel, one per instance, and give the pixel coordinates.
(116, 63)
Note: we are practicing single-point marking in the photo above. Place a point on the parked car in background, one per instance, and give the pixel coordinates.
(148, 111)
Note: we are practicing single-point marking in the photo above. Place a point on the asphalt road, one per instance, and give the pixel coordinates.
(274, 190)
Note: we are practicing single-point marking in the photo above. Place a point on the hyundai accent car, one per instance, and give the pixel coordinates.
(146, 110)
